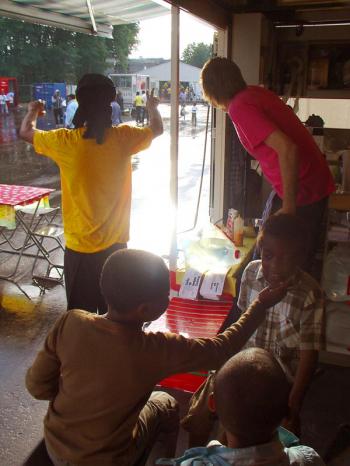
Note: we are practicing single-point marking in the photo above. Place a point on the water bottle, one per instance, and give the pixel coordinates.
(336, 273)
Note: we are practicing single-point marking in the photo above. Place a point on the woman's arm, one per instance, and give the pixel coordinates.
(288, 160)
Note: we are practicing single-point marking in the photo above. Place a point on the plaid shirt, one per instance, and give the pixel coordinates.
(292, 325)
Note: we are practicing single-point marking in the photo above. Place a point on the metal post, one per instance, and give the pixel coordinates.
(174, 130)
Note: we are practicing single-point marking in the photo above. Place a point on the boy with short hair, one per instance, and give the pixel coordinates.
(250, 398)
(292, 330)
(98, 371)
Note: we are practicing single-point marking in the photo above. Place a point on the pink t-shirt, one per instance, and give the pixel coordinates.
(256, 113)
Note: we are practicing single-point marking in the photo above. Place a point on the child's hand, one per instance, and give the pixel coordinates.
(271, 296)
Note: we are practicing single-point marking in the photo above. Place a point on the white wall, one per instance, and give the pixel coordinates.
(246, 44)
(162, 72)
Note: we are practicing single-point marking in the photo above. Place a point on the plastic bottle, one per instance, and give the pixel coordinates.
(238, 231)
(336, 273)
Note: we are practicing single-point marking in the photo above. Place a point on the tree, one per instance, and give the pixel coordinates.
(197, 54)
(36, 53)
(124, 40)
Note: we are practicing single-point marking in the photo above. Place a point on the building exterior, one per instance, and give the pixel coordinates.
(160, 80)
(138, 65)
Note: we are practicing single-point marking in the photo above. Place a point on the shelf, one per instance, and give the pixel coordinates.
(332, 356)
(327, 93)
(338, 241)
(339, 201)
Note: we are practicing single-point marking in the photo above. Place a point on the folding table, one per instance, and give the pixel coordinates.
(11, 196)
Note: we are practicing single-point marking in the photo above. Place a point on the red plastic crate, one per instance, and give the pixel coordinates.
(193, 319)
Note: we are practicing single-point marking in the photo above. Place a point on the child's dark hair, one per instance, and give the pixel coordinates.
(289, 228)
(131, 277)
(95, 93)
(251, 396)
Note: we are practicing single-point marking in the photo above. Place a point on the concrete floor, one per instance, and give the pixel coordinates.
(24, 323)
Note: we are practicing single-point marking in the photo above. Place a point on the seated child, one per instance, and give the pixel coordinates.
(98, 371)
(292, 329)
(250, 398)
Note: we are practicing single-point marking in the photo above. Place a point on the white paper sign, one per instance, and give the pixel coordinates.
(213, 285)
(190, 284)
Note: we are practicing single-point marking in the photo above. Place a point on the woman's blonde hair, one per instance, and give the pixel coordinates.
(221, 80)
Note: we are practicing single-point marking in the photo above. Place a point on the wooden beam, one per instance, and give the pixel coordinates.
(210, 11)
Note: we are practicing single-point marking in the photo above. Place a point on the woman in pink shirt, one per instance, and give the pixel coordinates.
(271, 133)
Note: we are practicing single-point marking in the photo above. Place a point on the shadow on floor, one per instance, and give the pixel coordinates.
(38, 457)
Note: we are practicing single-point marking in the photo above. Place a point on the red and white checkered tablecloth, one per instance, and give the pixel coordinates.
(21, 195)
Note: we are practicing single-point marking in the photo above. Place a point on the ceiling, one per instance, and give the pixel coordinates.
(218, 12)
(89, 16)
(98, 16)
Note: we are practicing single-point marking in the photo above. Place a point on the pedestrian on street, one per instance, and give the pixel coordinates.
(3, 103)
(72, 106)
(138, 103)
(116, 113)
(194, 114)
(57, 105)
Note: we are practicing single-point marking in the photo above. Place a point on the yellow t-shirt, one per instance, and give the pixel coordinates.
(96, 182)
(139, 101)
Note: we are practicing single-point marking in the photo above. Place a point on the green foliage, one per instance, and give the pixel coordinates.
(36, 53)
(197, 53)
(124, 40)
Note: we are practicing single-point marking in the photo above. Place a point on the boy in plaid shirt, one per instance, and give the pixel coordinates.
(292, 330)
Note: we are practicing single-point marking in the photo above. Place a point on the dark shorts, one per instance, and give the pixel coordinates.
(82, 276)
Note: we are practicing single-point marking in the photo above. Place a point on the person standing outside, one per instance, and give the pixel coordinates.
(138, 102)
(72, 106)
(116, 113)
(120, 100)
(57, 105)
(194, 114)
(145, 112)
(3, 103)
(271, 133)
(95, 165)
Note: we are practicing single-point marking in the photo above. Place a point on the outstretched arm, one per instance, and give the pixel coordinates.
(28, 125)
(156, 123)
(288, 160)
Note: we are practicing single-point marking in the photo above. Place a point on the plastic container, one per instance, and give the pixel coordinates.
(209, 249)
(336, 273)
(337, 327)
(238, 231)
